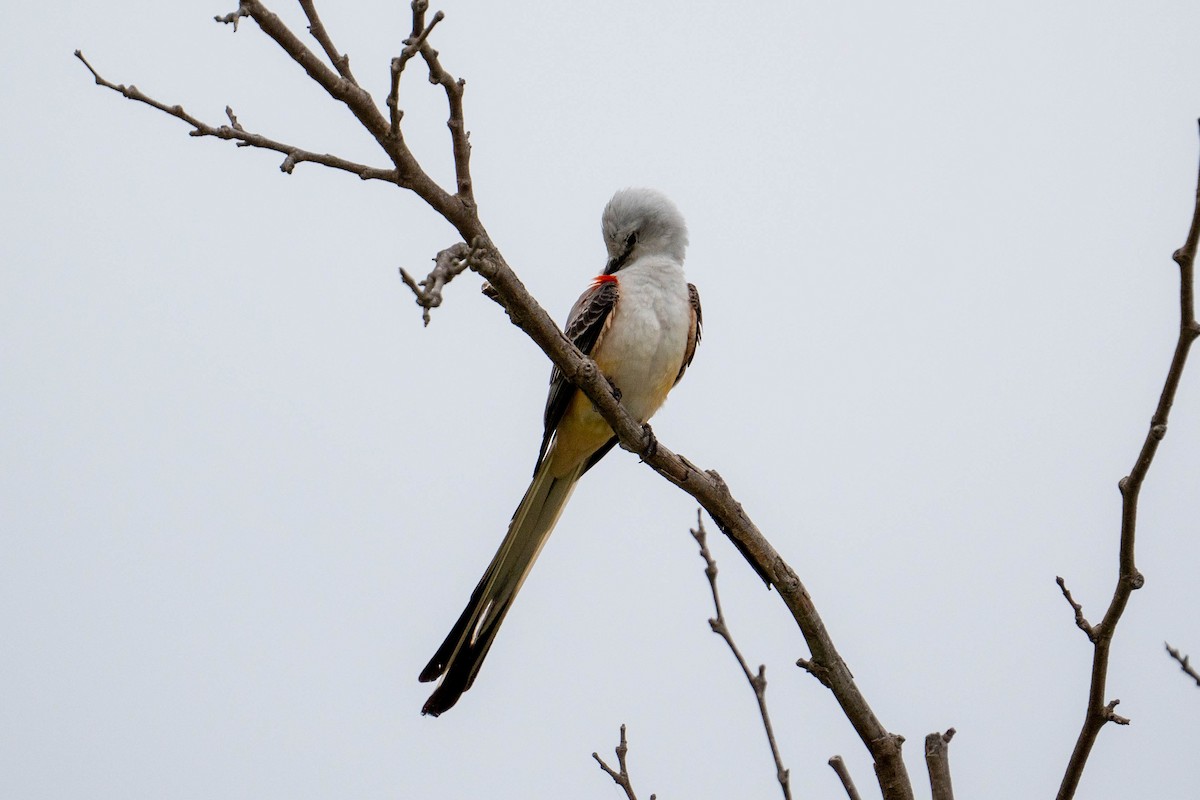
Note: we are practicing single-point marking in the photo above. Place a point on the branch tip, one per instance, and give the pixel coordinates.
(1184, 663)
(937, 763)
(817, 670)
(620, 775)
(1080, 621)
(233, 16)
(1111, 716)
(843, 773)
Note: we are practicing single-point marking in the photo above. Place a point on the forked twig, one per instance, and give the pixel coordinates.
(758, 682)
(412, 46)
(449, 262)
(460, 137)
(620, 776)
(235, 132)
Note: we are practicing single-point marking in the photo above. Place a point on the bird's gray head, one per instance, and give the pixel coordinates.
(639, 222)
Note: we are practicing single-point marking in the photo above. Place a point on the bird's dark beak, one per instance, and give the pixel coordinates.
(616, 262)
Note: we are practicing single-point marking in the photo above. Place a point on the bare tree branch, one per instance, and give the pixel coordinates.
(706, 487)
(360, 103)
(1129, 579)
(839, 766)
(757, 682)
(620, 776)
(1184, 663)
(937, 760)
(244, 138)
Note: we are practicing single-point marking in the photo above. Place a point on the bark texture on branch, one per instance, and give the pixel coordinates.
(937, 761)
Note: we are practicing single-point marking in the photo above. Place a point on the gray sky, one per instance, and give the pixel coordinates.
(245, 493)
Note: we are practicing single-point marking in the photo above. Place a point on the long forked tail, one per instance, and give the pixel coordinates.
(458, 660)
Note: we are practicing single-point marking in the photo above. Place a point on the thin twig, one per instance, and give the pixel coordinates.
(340, 61)
(1080, 621)
(839, 766)
(235, 132)
(620, 776)
(1184, 663)
(937, 760)
(233, 16)
(1098, 712)
(758, 682)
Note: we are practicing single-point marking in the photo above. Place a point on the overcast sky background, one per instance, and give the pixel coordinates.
(245, 493)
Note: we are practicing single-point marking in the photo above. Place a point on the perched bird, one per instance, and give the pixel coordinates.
(640, 322)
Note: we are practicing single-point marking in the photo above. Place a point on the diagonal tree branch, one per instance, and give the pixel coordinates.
(1128, 578)
(714, 496)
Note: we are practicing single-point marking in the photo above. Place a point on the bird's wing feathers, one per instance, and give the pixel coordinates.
(585, 325)
(693, 331)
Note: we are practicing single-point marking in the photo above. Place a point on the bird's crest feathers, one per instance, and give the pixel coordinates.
(639, 222)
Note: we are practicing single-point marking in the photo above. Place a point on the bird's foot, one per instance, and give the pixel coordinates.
(616, 392)
(651, 441)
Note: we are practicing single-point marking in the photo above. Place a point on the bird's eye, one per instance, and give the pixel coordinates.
(631, 240)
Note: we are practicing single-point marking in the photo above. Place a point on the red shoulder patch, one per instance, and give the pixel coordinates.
(602, 279)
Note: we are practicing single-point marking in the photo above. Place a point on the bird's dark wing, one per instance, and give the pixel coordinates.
(693, 332)
(589, 318)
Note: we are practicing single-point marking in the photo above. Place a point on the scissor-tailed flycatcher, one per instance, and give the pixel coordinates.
(640, 323)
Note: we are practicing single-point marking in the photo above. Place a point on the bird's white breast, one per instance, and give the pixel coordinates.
(646, 341)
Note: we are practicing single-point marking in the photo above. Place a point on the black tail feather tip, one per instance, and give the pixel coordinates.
(442, 700)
